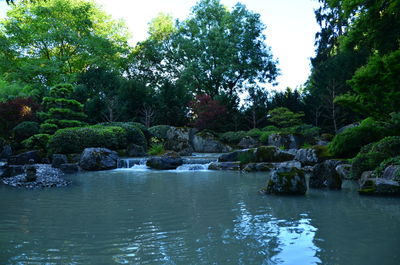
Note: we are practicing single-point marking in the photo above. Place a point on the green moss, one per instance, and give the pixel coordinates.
(265, 153)
(322, 151)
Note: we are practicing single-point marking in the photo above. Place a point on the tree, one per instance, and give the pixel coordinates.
(60, 111)
(284, 118)
(214, 51)
(48, 42)
(290, 99)
(206, 112)
(256, 106)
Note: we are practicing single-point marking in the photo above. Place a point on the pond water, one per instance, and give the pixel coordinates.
(193, 217)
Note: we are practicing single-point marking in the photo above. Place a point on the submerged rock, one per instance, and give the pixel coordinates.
(170, 160)
(98, 159)
(46, 177)
(290, 182)
(324, 175)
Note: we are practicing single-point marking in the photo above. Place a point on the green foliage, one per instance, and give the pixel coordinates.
(270, 128)
(284, 118)
(48, 128)
(133, 133)
(373, 154)
(348, 143)
(25, 130)
(255, 133)
(12, 90)
(308, 131)
(156, 149)
(232, 137)
(265, 135)
(74, 140)
(47, 42)
(322, 151)
(159, 131)
(37, 142)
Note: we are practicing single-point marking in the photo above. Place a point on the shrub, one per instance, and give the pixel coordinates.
(159, 131)
(37, 142)
(25, 130)
(270, 128)
(322, 151)
(156, 149)
(232, 137)
(255, 133)
(373, 154)
(74, 140)
(348, 143)
(134, 134)
(284, 118)
(309, 131)
(48, 128)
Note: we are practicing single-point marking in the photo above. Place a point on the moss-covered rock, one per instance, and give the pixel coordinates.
(170, 160)
(234, 166)
(324, 175)
(292, 182)
(271, 154)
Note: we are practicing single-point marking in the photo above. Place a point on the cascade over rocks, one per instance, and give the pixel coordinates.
(98, 159)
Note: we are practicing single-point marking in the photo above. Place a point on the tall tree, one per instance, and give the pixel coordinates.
(47, 42)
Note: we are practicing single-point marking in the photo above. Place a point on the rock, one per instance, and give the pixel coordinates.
(170, 160)
(344, 171)
(307, 157)
(237, 155)
(46, 177)
(23, 159)
(248, 142)
(380, 186)
(288, 141)
(74, 158)
(58, 159)
(30, 173)
(271, 154)
(6, 152)
(69, 168)
(13, 170)
(98, 159)
(235, 166)
(207, 143)
(286, 165)
(347, 127)
(387, 185)
(291, 182)
(135, 150)
(179, 140)
(324, 175)
(322, 142)
(263, 167)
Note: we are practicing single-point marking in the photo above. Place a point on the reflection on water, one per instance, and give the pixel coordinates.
(154, 217)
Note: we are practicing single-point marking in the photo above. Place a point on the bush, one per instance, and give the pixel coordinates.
(134, 134)
(309, 131)
(159, 131)
(25, 130)
(74, 140)
(37, 142)
(156, 149)
(233, 137)
(255, 133)
(270, 128)
(48, 128)
(348, 143)
(373, 154)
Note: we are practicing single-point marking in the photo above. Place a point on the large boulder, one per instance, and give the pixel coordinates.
(13, 170)
(235, 166)
(271, 154)
(248, 142)
(93, 159)
(288, 141)
(288, 182)
(179, 140)
(205, 142)
(170, 160)
(25, 158)
(307, 157)
(324, 175)
(6, 152)
(58, 159)
(238, 155)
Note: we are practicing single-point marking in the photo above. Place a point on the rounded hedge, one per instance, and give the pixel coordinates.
(37, 142)
(25, 130)
(348, 143)
(134, 133)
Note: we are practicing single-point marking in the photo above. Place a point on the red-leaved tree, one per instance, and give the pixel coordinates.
(207, 113)
(15, 111)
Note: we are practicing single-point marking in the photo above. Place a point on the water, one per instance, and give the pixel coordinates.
(193, 217)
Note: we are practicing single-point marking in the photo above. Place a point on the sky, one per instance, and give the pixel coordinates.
(290, 32)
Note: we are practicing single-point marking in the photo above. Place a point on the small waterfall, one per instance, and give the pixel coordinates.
(190, 163)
